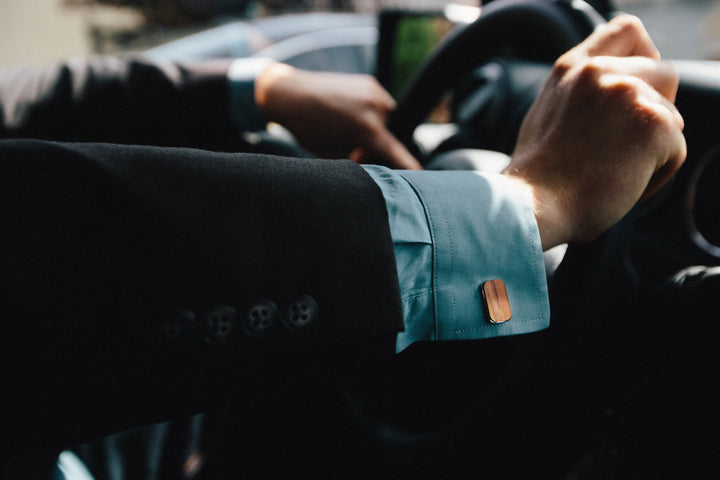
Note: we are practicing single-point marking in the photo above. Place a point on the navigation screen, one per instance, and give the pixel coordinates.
(406, 40)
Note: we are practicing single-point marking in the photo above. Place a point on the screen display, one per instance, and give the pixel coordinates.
(406, 40)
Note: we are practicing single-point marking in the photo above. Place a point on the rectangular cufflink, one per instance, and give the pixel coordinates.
(496, 301)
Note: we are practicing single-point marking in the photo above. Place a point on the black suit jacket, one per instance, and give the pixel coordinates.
(143, 282)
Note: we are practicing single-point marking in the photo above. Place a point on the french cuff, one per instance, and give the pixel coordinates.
(483, 230)
(243, 109)
(412, 245)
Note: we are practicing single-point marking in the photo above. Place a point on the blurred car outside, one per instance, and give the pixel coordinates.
(44, 30)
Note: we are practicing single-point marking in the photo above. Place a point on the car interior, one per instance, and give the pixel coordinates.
(464, 79)
(467, 85)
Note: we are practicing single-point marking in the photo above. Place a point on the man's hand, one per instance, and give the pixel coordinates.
(333, 115)
(603, 134)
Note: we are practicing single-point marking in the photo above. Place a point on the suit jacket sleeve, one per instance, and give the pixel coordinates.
(130, 100)
(144, 282)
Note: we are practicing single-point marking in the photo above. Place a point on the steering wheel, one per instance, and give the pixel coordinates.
(533, 30)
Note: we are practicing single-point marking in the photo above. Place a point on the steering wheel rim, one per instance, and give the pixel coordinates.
(543, 30)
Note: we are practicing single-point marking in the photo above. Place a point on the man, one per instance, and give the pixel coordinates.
(144, 283)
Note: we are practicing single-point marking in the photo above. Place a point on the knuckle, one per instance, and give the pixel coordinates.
(563, 65)
(621, 87)
(585, 72)
(588, 72)
(636, 105)
(654, 122)
(592, 67)
(629, 24)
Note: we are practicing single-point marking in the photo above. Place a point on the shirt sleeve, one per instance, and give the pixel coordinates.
(244, 112)
(453, 231)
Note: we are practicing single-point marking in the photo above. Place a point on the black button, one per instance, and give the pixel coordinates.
(301, 313)
(179, 323)
(219, 324)
(261, 317)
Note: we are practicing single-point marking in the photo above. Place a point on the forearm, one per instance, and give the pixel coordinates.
(116, 258)
(119, 100)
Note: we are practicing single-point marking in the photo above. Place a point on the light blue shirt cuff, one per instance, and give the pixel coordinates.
(452, 231)
(244, 112)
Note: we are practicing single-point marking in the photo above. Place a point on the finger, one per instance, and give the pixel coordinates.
(668, 169)
(665, 111)
(676, 148)
(623, 36)
(676, 116)
(384, 148)
(361, 156)
(385, 99)
(658, 74)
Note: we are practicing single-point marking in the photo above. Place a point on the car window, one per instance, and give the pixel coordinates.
(41, 31)
(681, 29)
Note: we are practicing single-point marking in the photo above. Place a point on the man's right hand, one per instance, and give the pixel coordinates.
(602, 135)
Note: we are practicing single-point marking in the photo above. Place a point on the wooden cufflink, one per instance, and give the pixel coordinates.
(496, 301)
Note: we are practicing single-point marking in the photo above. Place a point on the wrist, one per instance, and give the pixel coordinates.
(545, 203)
(270, 94)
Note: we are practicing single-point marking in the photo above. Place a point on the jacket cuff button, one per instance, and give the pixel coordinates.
(261, 317)
(301, 313)
(219, 323)
(178, 323)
